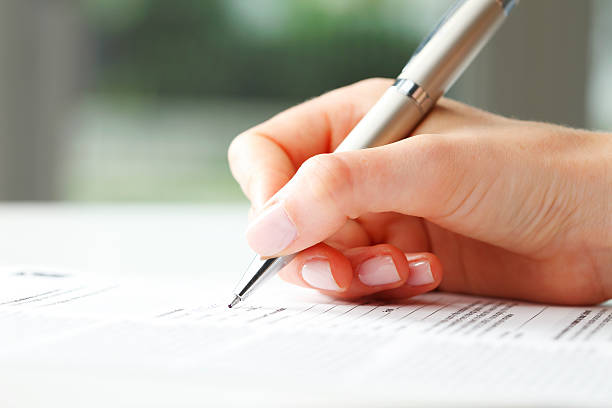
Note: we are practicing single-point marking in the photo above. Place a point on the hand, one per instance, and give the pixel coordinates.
(473, 203)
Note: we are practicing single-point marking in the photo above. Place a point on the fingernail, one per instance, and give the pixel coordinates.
(420, 273)
(378, 271)
(271, 232)
(317, 273)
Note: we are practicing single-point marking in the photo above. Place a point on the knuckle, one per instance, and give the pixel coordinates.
(328, 177)
(436, 155)
(234, 148)
(364, 86)
(243, 171)
(433, 147)
(442, 175)
(375, 82)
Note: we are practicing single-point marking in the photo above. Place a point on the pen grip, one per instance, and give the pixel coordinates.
(389, 120)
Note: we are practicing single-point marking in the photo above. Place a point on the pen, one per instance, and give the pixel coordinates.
(433, 68)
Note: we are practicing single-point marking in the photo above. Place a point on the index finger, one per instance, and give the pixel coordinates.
(265, 157)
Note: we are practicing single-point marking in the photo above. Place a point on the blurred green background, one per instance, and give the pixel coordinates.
(176, 81)
(113, 100)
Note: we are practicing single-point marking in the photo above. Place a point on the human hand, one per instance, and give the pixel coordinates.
(473, 203)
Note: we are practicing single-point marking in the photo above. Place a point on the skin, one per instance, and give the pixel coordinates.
(496, 206)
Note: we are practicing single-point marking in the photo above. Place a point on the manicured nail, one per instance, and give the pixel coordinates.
(271, 232)
(378, 271)
(317, 273)
(420, 273)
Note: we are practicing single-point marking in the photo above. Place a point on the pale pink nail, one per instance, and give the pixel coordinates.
(420, 273)
(378, 271)
(317, 273)
(271, 232)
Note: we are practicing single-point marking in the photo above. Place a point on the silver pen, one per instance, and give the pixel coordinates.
(433, 68)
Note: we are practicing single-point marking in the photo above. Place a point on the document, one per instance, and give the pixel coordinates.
(73, 340)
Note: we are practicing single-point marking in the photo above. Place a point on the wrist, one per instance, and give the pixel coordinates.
(597, 205)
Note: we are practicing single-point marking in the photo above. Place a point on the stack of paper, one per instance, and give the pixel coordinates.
(81, 341)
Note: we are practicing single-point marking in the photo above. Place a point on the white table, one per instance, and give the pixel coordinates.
(197, 247)
(188, 241)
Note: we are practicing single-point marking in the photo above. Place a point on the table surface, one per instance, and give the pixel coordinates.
(194, 242)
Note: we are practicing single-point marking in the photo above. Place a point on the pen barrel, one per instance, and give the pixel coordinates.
(454, 43)
(390, 119)
(433, 69)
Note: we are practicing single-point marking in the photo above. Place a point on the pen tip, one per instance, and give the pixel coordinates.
(234, 302)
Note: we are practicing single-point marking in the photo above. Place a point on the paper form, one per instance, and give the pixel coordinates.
(293, 345)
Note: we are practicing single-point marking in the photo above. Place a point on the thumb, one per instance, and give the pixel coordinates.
(430, 176)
